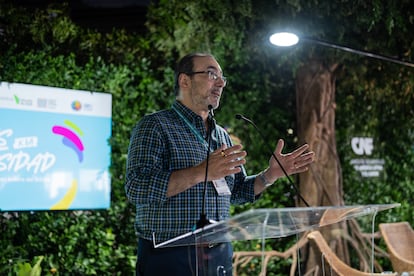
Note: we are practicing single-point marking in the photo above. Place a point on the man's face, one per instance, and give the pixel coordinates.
(206, 83)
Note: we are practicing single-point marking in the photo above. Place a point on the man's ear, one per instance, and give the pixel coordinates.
(184, 80)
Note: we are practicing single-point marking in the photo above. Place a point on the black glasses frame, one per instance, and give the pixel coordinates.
(211, 75)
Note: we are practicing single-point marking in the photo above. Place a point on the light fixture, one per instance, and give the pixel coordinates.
(285, 39)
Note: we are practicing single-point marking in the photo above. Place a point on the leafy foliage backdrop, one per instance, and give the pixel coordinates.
(373, 99)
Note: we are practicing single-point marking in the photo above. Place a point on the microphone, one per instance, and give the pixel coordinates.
(241, 117)
(203, 221)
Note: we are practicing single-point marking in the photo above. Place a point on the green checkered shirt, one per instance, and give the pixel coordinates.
(160, 144)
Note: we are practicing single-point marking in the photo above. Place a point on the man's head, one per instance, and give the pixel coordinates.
(199, 81)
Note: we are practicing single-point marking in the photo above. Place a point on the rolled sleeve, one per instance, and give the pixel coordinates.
(146, 179)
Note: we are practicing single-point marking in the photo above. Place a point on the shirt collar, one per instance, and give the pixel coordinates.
(188, 113)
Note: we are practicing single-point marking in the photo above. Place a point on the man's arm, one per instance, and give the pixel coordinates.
(297, 161)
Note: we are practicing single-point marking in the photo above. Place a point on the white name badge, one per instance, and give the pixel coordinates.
(221, 186)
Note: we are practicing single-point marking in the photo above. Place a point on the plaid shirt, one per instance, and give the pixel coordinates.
(160, 144)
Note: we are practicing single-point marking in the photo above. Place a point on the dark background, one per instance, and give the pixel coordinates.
(102, 15)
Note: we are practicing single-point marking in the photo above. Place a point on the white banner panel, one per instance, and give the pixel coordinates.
(54, 148)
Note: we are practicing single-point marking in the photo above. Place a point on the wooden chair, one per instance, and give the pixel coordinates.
(337, 265)
(242, 258)
(399, 239)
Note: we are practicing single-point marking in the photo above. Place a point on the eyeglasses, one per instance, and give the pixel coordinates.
(211, 75)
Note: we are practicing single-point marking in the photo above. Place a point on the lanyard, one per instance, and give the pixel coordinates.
(192, 128)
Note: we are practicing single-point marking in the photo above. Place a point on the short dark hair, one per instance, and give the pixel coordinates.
(185, 65)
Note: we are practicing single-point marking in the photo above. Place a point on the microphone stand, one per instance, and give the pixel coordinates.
(203, 221)
(241, 117)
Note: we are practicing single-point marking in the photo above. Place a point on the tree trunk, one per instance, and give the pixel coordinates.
(322, 184)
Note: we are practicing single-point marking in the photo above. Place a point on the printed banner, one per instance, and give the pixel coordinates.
(54, 148)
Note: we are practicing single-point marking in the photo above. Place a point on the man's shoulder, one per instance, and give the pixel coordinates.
(159, 115)
(156, 117)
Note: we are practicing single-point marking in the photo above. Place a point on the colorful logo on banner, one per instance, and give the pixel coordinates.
(76, 105)
(71, 138)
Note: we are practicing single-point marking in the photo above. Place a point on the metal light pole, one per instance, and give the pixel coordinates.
(284, 39)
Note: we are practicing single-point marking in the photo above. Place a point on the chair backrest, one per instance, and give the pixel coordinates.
(399, 239)
(333, 260)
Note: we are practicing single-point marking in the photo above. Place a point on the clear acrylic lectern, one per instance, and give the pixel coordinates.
(271, 223)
